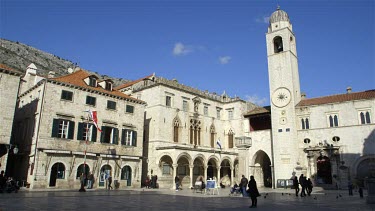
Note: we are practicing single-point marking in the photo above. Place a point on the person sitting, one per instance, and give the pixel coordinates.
(235, 189)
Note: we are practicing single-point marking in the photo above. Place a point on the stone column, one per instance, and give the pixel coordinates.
(174, 175)
(218, 175)
(205, 173)
(191, 175)
(231, 175)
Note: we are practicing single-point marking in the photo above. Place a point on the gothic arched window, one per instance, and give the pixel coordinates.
(176, 125)
(212, 136)
(230, 139)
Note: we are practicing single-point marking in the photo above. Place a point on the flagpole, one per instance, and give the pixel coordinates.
(84, 158)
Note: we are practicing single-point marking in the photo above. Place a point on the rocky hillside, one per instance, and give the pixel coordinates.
(18, 56)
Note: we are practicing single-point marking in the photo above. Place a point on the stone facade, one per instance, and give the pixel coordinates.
(9, 83)
(51, 159)
(182, 127)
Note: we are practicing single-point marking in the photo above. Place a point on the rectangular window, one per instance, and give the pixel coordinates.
(108, 86)
(129, 137)
(218, 113)
(111, 105)
(168, 101)
(184, 105)
(109, 135)
(166, 169)
(230, 114)
(90, 100)
(129, 109)
(62, 128)
(67, 95)
(205, 110)
(92, 82)
(86, 131)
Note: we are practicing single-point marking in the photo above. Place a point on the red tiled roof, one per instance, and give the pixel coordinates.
(77, 78)
(4, 67)
(369, 94)
(259, 110)
(131, 83)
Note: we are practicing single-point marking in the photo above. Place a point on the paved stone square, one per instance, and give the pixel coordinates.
(146, 199)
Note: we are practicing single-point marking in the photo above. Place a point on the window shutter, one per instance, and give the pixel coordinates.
(102, 135)
(115, 136)
(123, 137)
(134, 138)
(80, 131)
(94, 133)
(55, 127)
(71, 130)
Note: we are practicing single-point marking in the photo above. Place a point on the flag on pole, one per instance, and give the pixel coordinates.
(218, 143)
(94, 119)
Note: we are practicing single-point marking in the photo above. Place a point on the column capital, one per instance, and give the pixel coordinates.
(191, 166)
(175, 165)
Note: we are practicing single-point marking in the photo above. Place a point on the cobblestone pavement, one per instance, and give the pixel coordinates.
(146, 199)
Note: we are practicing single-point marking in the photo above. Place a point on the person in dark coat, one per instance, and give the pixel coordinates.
(177, 182)
(302, 182)
(296, 185)
(243, 185)
(309, 186)
(253, 192)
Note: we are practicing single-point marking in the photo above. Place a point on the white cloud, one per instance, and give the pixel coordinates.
(264, 19)
(180, 49)
(256, 100)
(224, 59)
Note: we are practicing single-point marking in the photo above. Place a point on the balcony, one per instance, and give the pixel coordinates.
(243, 142)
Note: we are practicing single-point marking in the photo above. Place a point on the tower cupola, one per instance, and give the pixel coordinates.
(278, 20)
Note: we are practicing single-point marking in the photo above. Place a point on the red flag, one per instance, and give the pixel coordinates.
(94, 119)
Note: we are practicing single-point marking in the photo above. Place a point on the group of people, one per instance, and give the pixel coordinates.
(89, 180)
(8, 184)
(248, 189)
(305, 183)
(151, 182)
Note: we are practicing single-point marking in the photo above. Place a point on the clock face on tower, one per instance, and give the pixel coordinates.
(281, 97)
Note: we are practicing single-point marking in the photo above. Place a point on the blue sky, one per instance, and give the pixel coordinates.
(212, 45)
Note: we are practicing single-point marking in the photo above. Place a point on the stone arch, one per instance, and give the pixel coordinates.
(126, 174)
(184, 161)
(212, 165)
(260, 167)
(363, 168)
(225, 171)
(57, 171)
(186, 155)
(198, 169)
(166, 164)
(105, 171)
(80, 169)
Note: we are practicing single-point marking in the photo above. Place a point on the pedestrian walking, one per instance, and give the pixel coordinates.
(350, 188)
(243, 185)
(110, 182)
(177, 182)
(253, 192)
(296, 185)
(309, 186)
(302, 182)
(89, 180)
(360, 191)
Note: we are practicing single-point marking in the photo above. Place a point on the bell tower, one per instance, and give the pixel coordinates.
(284, 93)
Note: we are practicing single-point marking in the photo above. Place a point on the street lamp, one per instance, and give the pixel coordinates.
(9, 147)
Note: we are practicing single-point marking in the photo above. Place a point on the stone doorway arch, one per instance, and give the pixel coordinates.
(261, 169)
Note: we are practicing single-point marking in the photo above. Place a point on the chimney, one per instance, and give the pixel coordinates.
(51, 74)
(349, 90)
(303, 95)
(31, 69)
